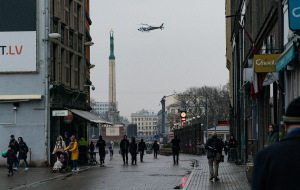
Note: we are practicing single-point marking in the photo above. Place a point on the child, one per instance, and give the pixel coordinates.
(11, 158)
(59, 163)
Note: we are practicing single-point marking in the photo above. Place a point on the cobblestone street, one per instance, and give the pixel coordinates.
(152, 174)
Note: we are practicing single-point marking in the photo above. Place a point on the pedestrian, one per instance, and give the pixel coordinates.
(124, 146)
(155, 147)
(11, 159)
(23, 150)
(175, 148)
(73, 147)
(111, 149)
(133, 149)
(15, 148)
(92, 148)
(277, 166)
(232, 156)
(59, 145)
(214, 147)
(101, 147)
(226, 147)
(141, 148)
(67, 139)
(272, 135)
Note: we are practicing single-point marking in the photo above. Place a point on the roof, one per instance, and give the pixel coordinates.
(220, 128)
(89, 116)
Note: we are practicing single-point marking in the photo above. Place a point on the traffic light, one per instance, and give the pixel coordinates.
(183, 115)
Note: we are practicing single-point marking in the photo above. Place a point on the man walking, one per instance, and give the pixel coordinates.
(15, 147)
(175, 148)
(142, 148)
(101, 147)
(124, 146)
(214, 147)
(277, 166)
(155, 147)
(133, 149)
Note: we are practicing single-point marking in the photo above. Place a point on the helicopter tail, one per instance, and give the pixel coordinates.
(162, 26)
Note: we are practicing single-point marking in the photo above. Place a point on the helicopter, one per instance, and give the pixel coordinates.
(148, 28)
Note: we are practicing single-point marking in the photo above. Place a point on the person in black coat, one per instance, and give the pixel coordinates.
(277, 166)
(11, 158)
(15, 147)
(23, 150)
(101, 147)
(142, 147)
(133, 149)
(175, 148)
(214, 148)
(155, 147)
(124, 146)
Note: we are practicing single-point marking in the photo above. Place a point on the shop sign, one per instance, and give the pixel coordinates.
(285, 58)
(294, 14)
(68, 119)
(60, 113)
(265, 63)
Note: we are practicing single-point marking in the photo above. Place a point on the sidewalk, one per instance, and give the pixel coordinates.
(232, 177)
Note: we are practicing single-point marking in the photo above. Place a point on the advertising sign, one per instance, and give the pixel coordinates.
(18, 51)
(265, 63)
(285, 58)
(294, 14)
(18, 36)
(112, 131)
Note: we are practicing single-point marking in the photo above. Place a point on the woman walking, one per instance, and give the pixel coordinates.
(73, 146)
(23, 150)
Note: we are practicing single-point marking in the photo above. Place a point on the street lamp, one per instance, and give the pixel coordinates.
(90, 43)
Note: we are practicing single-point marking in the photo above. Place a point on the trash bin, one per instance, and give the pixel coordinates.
(249, 169)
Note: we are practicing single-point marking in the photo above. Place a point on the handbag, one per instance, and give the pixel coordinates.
(222, 158)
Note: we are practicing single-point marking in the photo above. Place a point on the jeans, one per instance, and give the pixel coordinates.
(111, 152)
(125, 154)
(75, 164)
(155, 153)
(175, 154)
(10, 170)
(141, 155)
(213, 167)
(19, 163)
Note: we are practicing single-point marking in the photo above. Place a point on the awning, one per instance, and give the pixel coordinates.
(286, 57)
(89, 116)
(20, 97)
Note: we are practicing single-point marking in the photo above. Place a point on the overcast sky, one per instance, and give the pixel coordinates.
(190, 51)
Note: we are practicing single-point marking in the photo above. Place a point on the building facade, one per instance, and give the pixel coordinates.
(146, 125)
(51, 92)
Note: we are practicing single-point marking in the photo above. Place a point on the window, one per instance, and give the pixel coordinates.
(55, 26)
(142, 119)
(62, 35)
(67, 74)
(146, 128)
(80, 44)
(76, 77)
(71, 39)
(147, 123)
(150, 128)
(139, 119)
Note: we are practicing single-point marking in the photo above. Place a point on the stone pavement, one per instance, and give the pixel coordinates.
(232, 177)
(152, 174)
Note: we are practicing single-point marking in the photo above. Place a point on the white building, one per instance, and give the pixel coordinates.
(146, 125)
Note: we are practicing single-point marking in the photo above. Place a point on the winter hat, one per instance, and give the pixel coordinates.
(292, 115)
(11, 136)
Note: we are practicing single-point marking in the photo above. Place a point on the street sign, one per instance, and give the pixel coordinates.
(60, 113)
(171, 135)
(223, 123)
(294, 14)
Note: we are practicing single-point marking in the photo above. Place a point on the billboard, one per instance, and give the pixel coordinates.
(294, 14)
(18, 36)
(112, 131)
(265, 63)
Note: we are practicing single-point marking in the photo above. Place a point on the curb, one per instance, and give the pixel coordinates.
(53, 178)
(190, 176)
